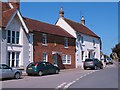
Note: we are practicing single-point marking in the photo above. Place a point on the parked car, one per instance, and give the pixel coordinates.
(8, 72)
(92, 64)
(41, 68)
(109, 61)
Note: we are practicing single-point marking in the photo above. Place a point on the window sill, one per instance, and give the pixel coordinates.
(67, 63)
(66, 47)
(44, 44)
(18, 45)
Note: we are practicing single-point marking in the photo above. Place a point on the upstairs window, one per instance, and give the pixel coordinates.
(82, 39)
(66, 42)
(13, 37)
(93, 42)
(44, 39)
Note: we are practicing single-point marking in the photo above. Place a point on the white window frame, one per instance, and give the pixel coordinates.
(11, 37)
(44, 39)
(65, 58)
(46, 56)
(65, 42)
(15, 59)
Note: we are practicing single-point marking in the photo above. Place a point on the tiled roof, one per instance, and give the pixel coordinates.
(35, 25)
(5, 6)
(6, 15)
(80, 28)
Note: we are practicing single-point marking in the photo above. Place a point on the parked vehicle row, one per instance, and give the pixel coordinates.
(43, 68)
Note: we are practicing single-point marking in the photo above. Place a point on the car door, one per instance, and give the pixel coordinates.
(51, 68)
(7, 72)
(44, 68)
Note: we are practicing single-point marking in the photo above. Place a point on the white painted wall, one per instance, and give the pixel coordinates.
(22, 47)
(0, 43)
(87, 45)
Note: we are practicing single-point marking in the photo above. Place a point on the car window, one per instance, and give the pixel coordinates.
(5, 67)
(96, 60)
(88, 59)
(44, 64)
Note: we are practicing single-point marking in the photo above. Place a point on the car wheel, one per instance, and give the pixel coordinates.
(84, 68)
(56, 71)
(17, 75)
(40, 73)
(95, 68)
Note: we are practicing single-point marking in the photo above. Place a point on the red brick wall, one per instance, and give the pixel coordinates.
(59, 47)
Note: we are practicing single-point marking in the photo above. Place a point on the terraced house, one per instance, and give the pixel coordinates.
(24, 40)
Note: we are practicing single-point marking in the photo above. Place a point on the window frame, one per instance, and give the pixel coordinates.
(46, 57)
(44, 39)
(65, 60)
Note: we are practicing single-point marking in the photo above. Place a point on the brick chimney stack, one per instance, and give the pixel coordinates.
(83, 20)
(15, 3)
(61, 12)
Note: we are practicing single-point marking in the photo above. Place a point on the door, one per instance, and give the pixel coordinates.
(55, 61)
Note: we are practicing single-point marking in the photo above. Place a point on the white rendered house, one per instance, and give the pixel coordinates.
(88, 44)
(16, 42)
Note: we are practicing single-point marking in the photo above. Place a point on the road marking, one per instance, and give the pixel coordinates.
(77, 79)
(60, 86)
(68, 85)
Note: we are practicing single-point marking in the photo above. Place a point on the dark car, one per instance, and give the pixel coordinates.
(8, 72)
(92, 64)
(41, 68)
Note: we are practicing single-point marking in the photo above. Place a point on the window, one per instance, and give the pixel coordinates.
(13, 59)
(44, 57)
(66, 59)
(93, 42)
(13, 37)
(9, 36)
(17, 37)
(82, 55)
(66, 42)
(44, 37)
(82, 39)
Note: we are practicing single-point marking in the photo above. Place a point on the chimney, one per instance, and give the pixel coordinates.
(15, 3)
(61, 12)
(82, 20)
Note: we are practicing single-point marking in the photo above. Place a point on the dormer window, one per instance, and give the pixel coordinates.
(44, 39)
(66, 42)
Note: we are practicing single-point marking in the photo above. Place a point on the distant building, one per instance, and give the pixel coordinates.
(88, 44)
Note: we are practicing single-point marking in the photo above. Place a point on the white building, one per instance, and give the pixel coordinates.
(16, 43)
(88, 44)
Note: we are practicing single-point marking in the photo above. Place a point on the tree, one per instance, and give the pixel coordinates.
(116, 51)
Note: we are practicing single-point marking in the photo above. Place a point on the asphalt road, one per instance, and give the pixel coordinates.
(75, 78)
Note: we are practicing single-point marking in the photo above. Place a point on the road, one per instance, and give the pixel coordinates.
(74, 78)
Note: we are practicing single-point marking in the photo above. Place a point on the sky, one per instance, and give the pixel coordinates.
(100, 17)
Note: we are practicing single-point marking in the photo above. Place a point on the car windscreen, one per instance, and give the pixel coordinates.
(88, 59)
(31, 64)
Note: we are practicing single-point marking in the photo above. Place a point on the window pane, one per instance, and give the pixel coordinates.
(44, 37)
(13, 36)
(17, 37)
(64, 59)
(13, 58)
(9, 58)
(17, 59)
(68, 59)
(66, 42)
(9, 35)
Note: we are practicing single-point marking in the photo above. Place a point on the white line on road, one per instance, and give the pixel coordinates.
(68, 85)
(60, 86)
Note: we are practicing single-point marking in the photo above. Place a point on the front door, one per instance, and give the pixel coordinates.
(54, 58)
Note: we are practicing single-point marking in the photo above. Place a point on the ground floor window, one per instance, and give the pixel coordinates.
(44, 56)
(66, 59)
(13, 59)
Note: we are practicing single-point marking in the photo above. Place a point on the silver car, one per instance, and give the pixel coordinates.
(8, 72)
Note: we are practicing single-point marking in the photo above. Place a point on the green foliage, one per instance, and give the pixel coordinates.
(116, 50)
